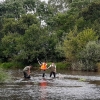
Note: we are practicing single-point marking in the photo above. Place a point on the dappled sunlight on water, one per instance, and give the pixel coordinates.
(65, 87)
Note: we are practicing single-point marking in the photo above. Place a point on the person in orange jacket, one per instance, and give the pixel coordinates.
(43, 67)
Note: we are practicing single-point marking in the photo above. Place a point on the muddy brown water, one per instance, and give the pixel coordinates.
(68, 85)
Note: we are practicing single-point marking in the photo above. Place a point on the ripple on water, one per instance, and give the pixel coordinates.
(67, 87)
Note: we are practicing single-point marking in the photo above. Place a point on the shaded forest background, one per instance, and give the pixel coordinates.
(64, 31)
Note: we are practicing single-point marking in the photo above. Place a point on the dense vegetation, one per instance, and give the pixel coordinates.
(61, 31)
(4, 76)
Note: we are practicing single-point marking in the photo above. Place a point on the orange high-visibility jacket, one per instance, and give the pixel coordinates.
(43, 66)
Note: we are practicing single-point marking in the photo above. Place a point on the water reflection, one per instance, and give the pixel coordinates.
(43, 92)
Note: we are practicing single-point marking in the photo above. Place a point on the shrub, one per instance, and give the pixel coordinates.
(90, 56)
(63, 65)
(8, 65)
(3, 75)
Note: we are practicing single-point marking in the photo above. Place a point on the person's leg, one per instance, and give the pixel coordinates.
(28, 76)
(25, 74)
(50, 74)
(43, 75)
(54, 74)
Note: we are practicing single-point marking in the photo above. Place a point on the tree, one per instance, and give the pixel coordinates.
(75, 42)
(91, 17)
(33, 44)
(90, 56)
(12, 8)
(59, 5)
(9, 46)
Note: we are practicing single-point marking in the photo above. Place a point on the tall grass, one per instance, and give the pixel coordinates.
(4, 76)
(63, 65)
(8, 65)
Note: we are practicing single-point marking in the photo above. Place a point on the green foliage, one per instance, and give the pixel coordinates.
(98, 66)
(16, 8)
(70, 45)
(12, 8)
(92, 13)
(33, 43)
(63, 65)
(7, 65)
(15, 43)
(28, 20)
(59, 5)
(90, 55)
(9, 44)
(91, 16)
(75, 42)
(4, 76)
(79, 4)
(91, 51)
(85, 36)
(13, 65)
(24, 36)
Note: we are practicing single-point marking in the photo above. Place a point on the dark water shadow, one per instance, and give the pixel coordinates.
(96, 82)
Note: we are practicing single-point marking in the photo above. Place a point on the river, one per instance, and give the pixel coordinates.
(68, 85)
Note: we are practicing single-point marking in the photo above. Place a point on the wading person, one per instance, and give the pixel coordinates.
(26, 71)
(52, 67)
(43, 67)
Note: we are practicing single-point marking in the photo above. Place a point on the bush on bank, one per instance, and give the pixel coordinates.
(60, 65)
(8, 65)
(4, 76)
(98, 66)
(63, 65)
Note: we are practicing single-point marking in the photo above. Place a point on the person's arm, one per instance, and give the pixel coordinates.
(39, 62)
(49, 67)
(55, 68)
